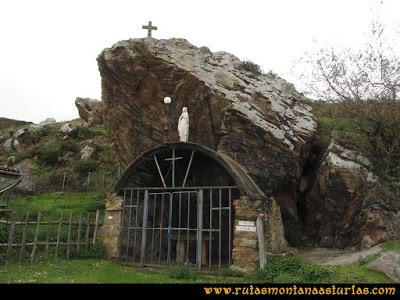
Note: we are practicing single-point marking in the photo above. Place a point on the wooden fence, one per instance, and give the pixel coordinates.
(21, 240)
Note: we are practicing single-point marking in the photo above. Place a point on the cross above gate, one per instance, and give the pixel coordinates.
(149, 28)
(173, 159)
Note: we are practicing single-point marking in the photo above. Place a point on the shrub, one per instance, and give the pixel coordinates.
(228, 272)
(48, 154)
(21, 155)
(292, 269)
(83, 167)
(182, 272)
(69, 146)
(271, 75)
(251, 67)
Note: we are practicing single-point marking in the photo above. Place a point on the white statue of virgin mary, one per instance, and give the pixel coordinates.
(183, 125)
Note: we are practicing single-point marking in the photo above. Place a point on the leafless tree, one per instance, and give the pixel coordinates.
(365, 84)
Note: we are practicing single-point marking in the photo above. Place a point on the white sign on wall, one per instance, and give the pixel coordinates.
(245, 228)
(246, 223)
(248, 226)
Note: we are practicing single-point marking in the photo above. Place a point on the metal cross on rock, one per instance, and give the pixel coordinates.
(149, 28)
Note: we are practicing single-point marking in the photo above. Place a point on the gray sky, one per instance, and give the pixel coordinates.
(48, 48)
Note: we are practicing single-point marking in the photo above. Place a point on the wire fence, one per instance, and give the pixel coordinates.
(68, 181)
(63, 181)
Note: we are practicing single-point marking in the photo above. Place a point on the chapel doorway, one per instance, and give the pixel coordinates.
(177, 210)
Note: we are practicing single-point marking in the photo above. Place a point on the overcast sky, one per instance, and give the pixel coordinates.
(48, 49)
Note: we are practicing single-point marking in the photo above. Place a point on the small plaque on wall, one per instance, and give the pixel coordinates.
(245, 228)
(246, 223)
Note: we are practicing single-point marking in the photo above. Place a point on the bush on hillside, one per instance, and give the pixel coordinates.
(292, 270)
(182, 272)
(83, 167)
(251, 67)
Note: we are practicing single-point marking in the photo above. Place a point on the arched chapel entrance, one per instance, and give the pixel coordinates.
(178, 207)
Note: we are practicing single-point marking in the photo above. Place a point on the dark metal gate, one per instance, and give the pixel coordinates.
(187, 225)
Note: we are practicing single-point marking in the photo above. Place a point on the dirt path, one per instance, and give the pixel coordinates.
(336, 257)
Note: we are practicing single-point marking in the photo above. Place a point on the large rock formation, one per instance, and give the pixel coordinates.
(258, 120)
(90, 110)
(347, 205)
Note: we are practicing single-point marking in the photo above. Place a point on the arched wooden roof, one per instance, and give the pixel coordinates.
(244, 182)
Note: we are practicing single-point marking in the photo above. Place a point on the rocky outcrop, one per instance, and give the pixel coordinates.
(48, 121)
(66, 128)
(347, 205)
(10, 144)
(260, 121)
(27, 185)
(86, 152)
(90, 110)
(389, 264)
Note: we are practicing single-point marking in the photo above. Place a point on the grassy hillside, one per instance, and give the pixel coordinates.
(52, 205)
(52, 153)
(11, 123)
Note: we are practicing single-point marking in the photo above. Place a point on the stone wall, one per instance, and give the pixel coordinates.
(109, 233)
(245, 251)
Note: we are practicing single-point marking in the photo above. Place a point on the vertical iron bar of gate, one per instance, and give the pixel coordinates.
(129, 225)
(169, 230)
(210, 238)
(230, 228)
(144, 228)
(220, 225)
(122, 228)
(199, 241)
(161, 224)
(154, 226)
(136, 224)
(178, 250)
(188, 229)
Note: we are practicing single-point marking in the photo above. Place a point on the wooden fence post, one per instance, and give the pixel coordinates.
(69, 234)
(63, 183)
(36, 237)
(261, 241)
(87, 231)
(96, 224)
(34, 184)
(10, 239)
(58, 235)
(79, 234)
(46, 250)
(88, 182)
(23, 242)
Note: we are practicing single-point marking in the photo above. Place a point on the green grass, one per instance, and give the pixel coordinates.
(292, 269)
(357, 273)
(392, 246)
(92, 271)
(53, 204)
(298, 270)
(105, 271)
